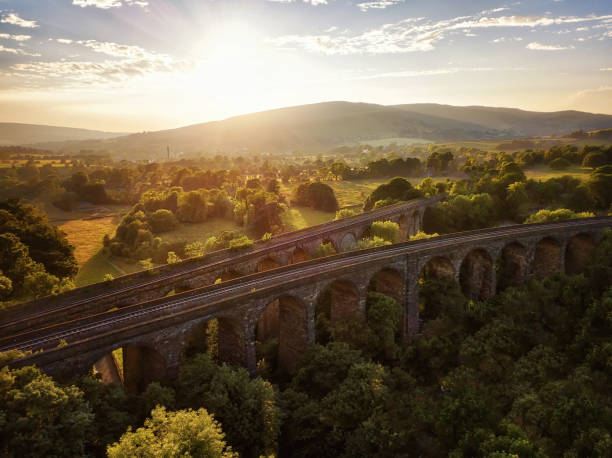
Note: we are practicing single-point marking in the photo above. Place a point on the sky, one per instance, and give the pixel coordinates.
(142, 65)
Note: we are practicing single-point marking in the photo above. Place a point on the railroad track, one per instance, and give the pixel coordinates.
(141, 313)
(283, 241)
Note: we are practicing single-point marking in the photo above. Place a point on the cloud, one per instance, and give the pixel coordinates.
(18, 51)
(506, 39)
(312, 2)
(8, 36)
(415, 34)
(377, 4)
(430, 72)
(14, 19)
(107, 4)
(130, 62)
(534, 46)
(606, 69)
(119, 50)
(64, 41)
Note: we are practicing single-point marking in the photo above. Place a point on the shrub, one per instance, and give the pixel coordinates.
(163, 221)
(387, 230)
(173, 258)
(561, 214)
(240, 243)
(324, 249)
(345, 213)
(559, 163)
(316, 195)
(422, 236)
(395, 189)
(266, 237)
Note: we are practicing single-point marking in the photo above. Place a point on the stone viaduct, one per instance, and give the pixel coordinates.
(283, 302)
(284, 249)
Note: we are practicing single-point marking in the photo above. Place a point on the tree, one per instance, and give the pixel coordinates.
(544, 216)
(40, 417)
(46, 243)
(560, 163)
(316, 195)
(594, 159)
(162, 221)
(246, 407)
(386, 230)
(396, 189)
(184, 433)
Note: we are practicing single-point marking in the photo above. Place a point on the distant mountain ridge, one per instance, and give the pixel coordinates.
(325, 125)
(12, 133)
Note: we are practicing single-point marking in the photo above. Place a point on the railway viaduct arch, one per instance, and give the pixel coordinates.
(282, 302)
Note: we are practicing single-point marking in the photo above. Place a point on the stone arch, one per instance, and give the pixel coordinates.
(547, 259)
(476, 275)
(339, 300)
(438, 267)
(512, 266)
(231, 274)
(348, 242)
(110, 367)
(267, 264)
(141, 366)
(299, 255)
(388, 281)
(286, 320)
(332, 242)
(577, 254)
(219, 337)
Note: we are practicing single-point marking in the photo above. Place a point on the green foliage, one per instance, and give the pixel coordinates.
(38, 417)
(371, 242)
(241, 243)
(267, 237)
(544, 216)
(246, 407)
(173, 258)
(324, 249)
(184, 433)
(560, 164)
(345, 213)
(108, 277)
(423, 236)
(162, 221)
(317, 195)
(397, 189)
(6, 286)
(195, 249)
(387, 230)
(460, 213)
(146, 264)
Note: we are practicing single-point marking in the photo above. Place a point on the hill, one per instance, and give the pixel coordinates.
(322, 126)
(515, 122)
(28, 134)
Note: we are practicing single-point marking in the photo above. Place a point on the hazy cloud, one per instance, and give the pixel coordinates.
(8, 36)
(415, 34)
(17, 51)
(14, 19)
(534, 46)
(312, 2)
(377, 4)
(106, 4)
(131, 61)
